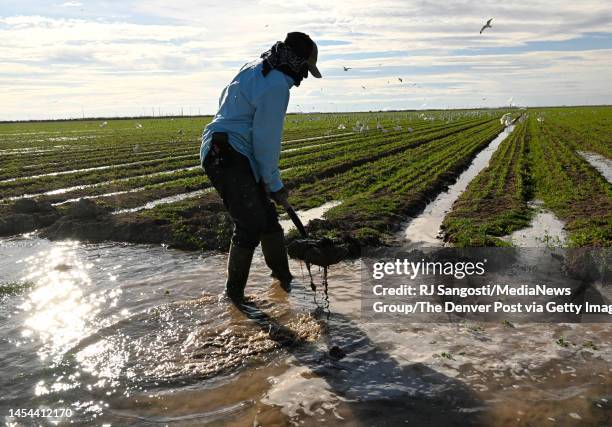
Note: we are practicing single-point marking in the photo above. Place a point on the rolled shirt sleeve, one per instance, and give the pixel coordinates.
(268, 122)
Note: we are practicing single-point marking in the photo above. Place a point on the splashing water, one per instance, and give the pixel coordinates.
(133, 335)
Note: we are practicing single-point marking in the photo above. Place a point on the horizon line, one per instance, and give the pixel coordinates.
(96, 118)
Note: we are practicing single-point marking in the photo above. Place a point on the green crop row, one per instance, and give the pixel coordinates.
(324, 155)
(68, 163)
(537, 161)
(170, 186)
(323, 166)
(570, 187)
(495, 202)
(372, 215)
(358, 179)
(365, 140)
(586, 128)
(47, 183)
(51, 182)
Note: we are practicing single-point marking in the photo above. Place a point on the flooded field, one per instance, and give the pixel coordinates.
(140, 334)
(133, 335)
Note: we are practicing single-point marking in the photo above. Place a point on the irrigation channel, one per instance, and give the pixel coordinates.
(601, 163)
(424, 230)
(126, 335)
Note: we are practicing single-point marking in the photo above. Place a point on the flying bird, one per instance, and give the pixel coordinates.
(487, 25)
(400, 79)
(363, 87)
(346, 68)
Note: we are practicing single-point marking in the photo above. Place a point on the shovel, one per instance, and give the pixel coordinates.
(322, 252)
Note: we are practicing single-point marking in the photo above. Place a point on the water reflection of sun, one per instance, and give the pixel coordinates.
(63, 308)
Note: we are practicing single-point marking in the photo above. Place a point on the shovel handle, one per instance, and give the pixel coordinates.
(295, 218)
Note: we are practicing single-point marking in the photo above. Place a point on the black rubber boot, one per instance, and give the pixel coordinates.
(238, 266)
(275, 254)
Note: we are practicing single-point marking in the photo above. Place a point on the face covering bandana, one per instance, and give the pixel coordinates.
(282, 58)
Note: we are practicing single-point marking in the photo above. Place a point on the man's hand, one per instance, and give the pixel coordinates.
(280, 196)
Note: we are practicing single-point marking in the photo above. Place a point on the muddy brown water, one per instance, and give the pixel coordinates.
(139, 335)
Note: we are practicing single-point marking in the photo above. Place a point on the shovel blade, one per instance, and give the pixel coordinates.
(322, 252)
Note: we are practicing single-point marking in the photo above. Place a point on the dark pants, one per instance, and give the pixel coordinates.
(246, 200)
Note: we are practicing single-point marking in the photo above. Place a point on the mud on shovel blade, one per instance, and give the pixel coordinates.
(323, 252)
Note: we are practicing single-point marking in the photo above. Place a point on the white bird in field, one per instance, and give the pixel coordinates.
(346, 68)
(487, 25)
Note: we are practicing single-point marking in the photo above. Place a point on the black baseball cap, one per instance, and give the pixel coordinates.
(305, 48)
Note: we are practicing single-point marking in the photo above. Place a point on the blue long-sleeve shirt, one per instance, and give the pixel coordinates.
(252, 112)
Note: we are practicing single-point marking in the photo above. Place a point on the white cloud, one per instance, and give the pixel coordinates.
(71, 4)
(174, 54)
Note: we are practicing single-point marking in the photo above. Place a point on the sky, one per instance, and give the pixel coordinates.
(95, 58)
